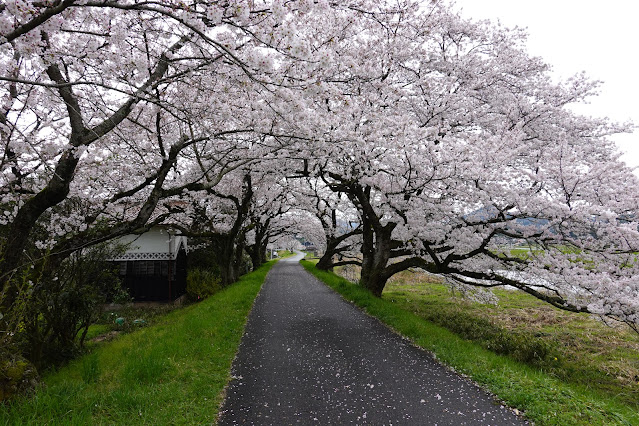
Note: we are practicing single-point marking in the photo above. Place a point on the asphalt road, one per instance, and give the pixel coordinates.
(309, 357)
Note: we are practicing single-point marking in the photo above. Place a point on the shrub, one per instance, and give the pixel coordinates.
(64, 301)
(17, 375)
(202, 256)
(202, 283)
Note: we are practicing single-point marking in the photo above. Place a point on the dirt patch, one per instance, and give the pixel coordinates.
(106, 337)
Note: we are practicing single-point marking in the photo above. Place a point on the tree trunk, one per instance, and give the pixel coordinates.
(263, 250)
(18, 233)
(238, 252)
(326, 261)
(230, 246)
(228, 272)
(225, 259)
(374, 281)
(376, 252)
(257, 251)
(333, 248)
(255, 255)
(229, 252)
(373, 276)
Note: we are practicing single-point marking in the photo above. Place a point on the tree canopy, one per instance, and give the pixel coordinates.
(394, 134)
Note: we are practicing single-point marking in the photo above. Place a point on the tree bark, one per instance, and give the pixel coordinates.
(326, 261)
(257, 250)
(333, 248)
(257, 253)
(376, 253)
(231, 246)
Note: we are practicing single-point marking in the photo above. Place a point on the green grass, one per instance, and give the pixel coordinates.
(576, 348)
(283, 254)
(540, 393)
(106, 328)
(173, 372)
(96, 330)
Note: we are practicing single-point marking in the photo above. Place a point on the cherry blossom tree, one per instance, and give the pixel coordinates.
(340, 225)
(268, 216)
(234, 120)
(455, 144)
(113, 111)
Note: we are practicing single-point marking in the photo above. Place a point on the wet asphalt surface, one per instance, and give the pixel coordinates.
(309, 357)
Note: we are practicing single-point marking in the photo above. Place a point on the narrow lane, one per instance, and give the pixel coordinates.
(308, 357)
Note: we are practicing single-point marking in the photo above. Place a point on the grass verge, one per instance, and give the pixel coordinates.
(171, 373)
(283, 254)
(545, 399)
(576, 348)
(135, 317)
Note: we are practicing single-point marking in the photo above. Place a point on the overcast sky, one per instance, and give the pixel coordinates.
(572, 35)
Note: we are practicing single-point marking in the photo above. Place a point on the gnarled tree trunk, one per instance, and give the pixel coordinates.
(376, 253)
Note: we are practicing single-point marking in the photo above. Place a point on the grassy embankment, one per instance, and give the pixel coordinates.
(557, 368)
(283, 254)
(173, 372)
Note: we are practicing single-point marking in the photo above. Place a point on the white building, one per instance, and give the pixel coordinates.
(154, 266)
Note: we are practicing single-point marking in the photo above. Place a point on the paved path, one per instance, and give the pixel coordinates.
(308, 357)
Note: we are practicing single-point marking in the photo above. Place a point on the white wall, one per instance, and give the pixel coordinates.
(157, 243)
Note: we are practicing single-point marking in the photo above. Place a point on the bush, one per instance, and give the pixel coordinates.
(202, 283)
(17, 375)
(202, 257)
(64, 302)
(246, 264)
